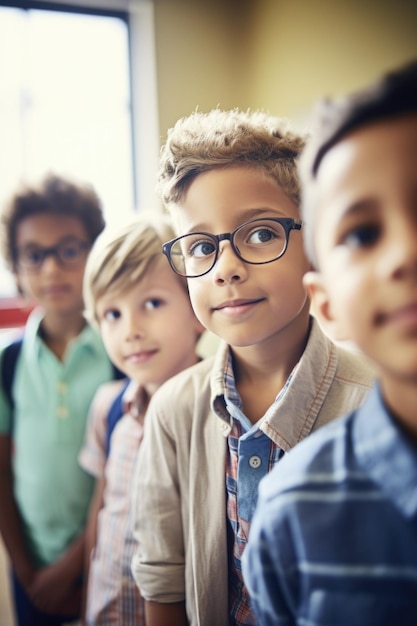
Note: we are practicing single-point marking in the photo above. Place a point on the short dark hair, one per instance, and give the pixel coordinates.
(393, 95)
(56, 196)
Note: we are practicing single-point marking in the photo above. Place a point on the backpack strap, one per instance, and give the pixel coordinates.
(8, 368)
(114, 414)
(117, 374)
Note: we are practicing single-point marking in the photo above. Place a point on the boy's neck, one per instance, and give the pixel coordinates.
(401, 400)
(57, 331)
(260, 374)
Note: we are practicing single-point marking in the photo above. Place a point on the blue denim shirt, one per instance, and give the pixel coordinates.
(334, 537)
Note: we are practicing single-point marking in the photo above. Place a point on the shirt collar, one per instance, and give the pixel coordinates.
(386, 453)
(292, 416)
(88, 338)
(135, 400)
(217, 400)
(313, 375)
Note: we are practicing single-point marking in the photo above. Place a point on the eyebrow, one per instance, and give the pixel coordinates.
(65, 239)
(246, 216)
(359, 207)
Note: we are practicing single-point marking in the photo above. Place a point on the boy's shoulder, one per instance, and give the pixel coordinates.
(329, 381)
(320, 461)
(192, 380)
(107, 393)
(104, 398)
(112, 387)
(343, 362)
(184, 401)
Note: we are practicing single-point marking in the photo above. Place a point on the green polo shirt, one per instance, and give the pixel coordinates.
(52, 399)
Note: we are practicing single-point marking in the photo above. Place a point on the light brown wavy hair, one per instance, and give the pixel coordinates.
(218, 139)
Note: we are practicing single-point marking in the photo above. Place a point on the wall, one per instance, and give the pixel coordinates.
(279, 55)
(200, 56)
(302, 50)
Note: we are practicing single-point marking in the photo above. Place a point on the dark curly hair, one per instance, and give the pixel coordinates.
(56, 196)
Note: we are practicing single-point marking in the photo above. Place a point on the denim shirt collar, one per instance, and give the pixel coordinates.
(386, 453)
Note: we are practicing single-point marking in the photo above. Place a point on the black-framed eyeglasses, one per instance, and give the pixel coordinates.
(69, 252)
(256, 242)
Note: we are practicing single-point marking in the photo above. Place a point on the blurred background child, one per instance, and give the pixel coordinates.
(48, 231)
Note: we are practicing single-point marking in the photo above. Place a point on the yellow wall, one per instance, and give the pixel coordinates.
(302, 50)
(199, 56)
(279, 55)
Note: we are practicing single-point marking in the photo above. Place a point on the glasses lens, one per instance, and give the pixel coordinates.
(71, 252)
(194, 254)
(31, 258)
(68, 253)
(260, 241)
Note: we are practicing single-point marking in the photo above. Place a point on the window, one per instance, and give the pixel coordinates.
(65, 103)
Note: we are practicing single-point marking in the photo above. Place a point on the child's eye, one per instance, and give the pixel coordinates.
(153, 303)
(261, 236)
(111, 314)
(361, 236)
(32, 256)
(202, 248)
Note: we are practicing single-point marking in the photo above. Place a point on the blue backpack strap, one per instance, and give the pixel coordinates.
(114, 414)
(8, 368)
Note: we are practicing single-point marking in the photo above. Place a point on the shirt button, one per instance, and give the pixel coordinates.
(62, 412)
(255, 461)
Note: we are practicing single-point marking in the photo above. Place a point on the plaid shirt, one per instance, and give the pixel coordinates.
(251, 455)
(113, 597)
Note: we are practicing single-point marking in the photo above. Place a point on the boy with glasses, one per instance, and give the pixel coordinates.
(48, 231)
(229, 179)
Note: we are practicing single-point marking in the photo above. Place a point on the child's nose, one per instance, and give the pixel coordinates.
(134, 328)
(50, 263)
(402, 251)
(229, 267)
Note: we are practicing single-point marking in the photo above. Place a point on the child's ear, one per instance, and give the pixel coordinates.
(321, 306)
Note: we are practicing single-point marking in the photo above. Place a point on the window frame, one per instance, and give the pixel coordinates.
(139, 17)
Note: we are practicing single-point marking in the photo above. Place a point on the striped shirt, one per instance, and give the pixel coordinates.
(334, 536)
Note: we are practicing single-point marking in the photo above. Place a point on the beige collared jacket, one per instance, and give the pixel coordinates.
(179, 502)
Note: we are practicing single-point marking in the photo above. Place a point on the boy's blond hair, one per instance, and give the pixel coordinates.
(218, 139)
(118, 261)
